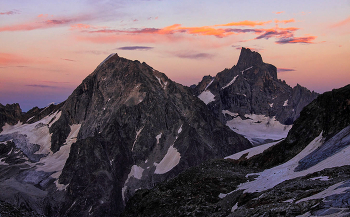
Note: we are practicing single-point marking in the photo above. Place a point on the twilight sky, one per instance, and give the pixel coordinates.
(47, 47)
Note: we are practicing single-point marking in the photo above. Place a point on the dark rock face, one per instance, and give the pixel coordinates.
(9, 114)
(252, 87)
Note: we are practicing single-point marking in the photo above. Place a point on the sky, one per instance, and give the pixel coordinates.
(47, 47)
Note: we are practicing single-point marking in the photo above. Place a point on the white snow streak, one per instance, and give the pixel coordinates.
(137, 135)
(285, 103)
(271, 105)
(209, 84)
(231, 82)
(246, 69)
(206, 97)
(170, 160)
(252, 151)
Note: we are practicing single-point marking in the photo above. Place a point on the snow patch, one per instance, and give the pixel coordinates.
(285, 103)
(231, 82)
(257, 128)
(252, 151)
(158, 137)
(321, 178)
(54, 162)
(206, 97)
(271, 105)
(234, 207)
(169, 161)
(136, 172)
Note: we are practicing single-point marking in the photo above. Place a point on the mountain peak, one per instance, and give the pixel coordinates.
(249, 58)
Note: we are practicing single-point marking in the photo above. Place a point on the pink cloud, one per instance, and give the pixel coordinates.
(341, 23)
(9, 12)
(48, 23)
(279, 12)
(285, 21)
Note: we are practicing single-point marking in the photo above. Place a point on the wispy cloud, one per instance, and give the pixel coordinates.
(285, 21)
(9, 12)
(285, 70)
(41, 23)
(294, 40)
(41, 86)
(190, 55)
(341, 23)
(135, 48)
(279, 12)
(70, 60)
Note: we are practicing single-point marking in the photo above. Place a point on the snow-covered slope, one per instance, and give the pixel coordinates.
(258, 129)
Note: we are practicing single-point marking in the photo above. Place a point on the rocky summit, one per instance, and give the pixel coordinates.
(125, 127)
(307, 174)
(252, 101)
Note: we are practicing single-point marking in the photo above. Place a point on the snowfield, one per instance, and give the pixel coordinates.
(276, 175)
(258, 129)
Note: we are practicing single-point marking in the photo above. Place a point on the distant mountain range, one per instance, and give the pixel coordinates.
(128, 128)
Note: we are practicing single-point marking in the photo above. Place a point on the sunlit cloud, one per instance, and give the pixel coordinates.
(246, 23)
(277, 33)
(279, 12)
(135, 48)
(285, 21)
(341, 23)
(177, 32)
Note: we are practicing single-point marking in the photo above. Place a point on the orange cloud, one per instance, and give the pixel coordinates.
(43, 15)
(279, 12)
(285, 21)
(246, 23)
(341, 23)
(178, 32)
